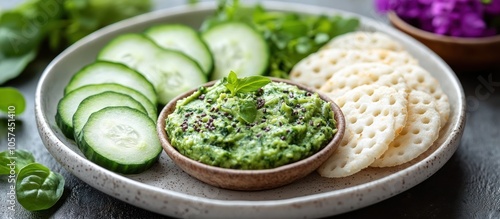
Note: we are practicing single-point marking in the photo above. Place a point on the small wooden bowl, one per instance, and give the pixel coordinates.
(250, 179)
(462, 54)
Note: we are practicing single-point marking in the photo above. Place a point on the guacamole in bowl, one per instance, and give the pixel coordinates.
(252, 140)
(290, 124)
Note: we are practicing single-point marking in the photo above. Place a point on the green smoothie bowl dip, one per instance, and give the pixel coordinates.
(250, 133)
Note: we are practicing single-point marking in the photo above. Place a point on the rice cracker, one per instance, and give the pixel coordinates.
(364, 40)
(372, 114)
(360, 74)
(317, 68)
(420, 132)
(417, 78)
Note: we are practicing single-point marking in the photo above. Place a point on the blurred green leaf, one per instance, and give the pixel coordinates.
(11, 67)
(19, 159)
(11, 98)
(58, 22)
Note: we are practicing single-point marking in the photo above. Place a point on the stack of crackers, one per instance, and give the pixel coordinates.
(394, 108)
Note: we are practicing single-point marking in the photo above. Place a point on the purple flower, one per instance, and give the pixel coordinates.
(472, 25)
(461, 18)
(493, 8)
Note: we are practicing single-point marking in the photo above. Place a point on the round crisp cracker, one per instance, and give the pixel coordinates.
(417, 78)
(420, 132)
(317, 68)
(359, 74)
(363, 40)
(372, 113)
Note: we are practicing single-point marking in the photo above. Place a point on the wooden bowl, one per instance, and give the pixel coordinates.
(462, 54)
(250, 179)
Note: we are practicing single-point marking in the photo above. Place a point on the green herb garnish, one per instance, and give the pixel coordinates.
(12, 100)
(291, 36)
(248, 108)
(246, 84)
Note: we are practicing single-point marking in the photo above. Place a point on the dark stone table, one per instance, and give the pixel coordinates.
(468, 186)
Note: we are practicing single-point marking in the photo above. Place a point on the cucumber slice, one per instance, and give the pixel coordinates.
(237, 47)
(68, 105)
(97, 102)
(121, 139)
(170, 72)
(183, 39)
(108, 72)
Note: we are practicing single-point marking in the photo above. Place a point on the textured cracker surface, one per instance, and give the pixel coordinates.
(371, 125)
(317, 68)
(420, 132)
(360, 74)
(417, 78)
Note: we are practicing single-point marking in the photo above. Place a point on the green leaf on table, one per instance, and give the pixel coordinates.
(14, 160)
(11, 67)
(12, 100)
(38, 188)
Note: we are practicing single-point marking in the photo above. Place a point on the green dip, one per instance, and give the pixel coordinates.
(290, 125)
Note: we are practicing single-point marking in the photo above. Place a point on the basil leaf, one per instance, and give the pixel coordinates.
(38, 188)
(231, 81)
(11, 97)
(248, 111)
(252, 83)
(11, 67)
(14, 160)
(232, 78)
(18, 36)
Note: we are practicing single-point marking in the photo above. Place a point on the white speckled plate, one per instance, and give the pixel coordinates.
(167, 190)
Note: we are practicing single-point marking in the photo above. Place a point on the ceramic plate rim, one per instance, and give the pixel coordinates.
(56, 146)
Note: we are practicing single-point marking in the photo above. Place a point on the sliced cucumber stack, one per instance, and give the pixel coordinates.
(171, 72)
(237, 47)
(121, 139)
(68, 105)
(108, 72)
(97, 102)
(183, 39)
